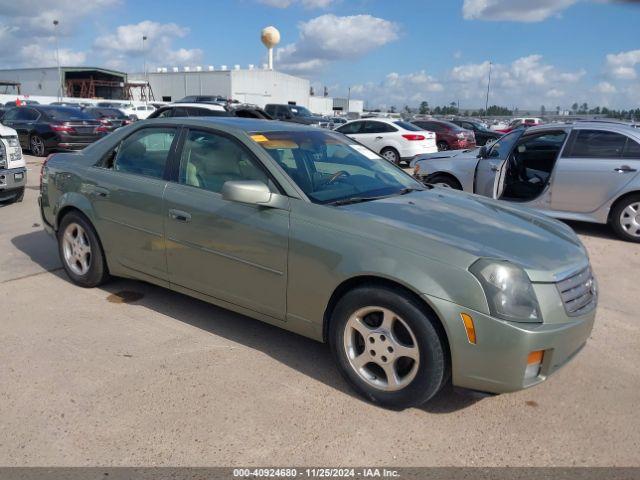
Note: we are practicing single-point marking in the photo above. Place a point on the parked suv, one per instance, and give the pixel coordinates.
(294, 114)
(585, 171)
(42, 128)
(394, 140)
(13, 172)
(190, 110)
(481, 133)
(449, 136)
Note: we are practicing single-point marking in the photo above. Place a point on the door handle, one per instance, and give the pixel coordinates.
(179, 215)
(494, 168)
(100, 191)
(378, 138)
(624, 169)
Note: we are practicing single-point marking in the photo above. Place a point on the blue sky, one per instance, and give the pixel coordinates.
(544, 52)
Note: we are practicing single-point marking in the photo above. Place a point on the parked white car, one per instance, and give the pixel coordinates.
(13, 171)
(395, 140)
(139, 111)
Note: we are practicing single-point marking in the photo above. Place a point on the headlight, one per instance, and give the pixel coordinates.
(508, 290)
(12, 141)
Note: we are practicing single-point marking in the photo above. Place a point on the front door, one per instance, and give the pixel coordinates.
(594, 167)
(489, 166)
(232, 251)
(127, 197)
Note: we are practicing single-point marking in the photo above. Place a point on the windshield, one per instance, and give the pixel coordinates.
(408, 126)
(329, 167)
(301, 112)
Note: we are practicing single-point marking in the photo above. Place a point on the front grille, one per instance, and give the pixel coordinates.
(579, 293)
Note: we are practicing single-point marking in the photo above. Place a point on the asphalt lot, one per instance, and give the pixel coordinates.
(132, 374)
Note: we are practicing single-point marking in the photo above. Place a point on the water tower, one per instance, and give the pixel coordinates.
(270, 37)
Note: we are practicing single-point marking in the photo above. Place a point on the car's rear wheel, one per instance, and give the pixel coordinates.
(37, 146)
(387, 347)
(445, 181)
(391, 155)
(80, 251)
(625, 218)
(442, 146)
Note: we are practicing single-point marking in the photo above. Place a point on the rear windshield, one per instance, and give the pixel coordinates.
(408, 126)
(66, 114)
(106, 112)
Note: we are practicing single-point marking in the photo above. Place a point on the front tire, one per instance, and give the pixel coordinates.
(80, 251)
(391, 155)
(625, 219)
(37, 146)
(445, 181)
(387, 347)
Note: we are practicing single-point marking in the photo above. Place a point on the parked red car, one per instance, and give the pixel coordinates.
(449, 136)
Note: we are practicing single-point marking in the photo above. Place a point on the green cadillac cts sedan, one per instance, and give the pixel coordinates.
(412, 286)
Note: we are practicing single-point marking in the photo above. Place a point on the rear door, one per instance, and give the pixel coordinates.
(231, 251)
(377, 135)
(594, 166)
(127, 196)
(487, 168)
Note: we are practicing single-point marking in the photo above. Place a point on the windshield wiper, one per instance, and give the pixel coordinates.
(404, 191)
(347, 201)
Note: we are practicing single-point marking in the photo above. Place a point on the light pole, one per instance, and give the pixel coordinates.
(55, 30)
(144, 56)
(486, 104)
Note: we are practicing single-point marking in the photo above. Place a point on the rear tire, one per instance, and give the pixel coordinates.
(19, 196)
(625, 218)
(387, 347)
(445, 181)
(391, 155)
(80, 251)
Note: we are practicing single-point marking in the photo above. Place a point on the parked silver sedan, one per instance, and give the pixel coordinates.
(585, 171)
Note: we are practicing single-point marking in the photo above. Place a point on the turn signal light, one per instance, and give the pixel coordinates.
(534, 363)
(469, 327)
(535, 357)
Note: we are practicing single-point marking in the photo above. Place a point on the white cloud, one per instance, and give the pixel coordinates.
(305, 3)
(27, 32)
(513, 10)
(329, 38)
(605, 87)
(622, 65)
(125, 43)
(400, 89)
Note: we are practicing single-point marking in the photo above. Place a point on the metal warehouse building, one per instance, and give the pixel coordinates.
(84, 82)
(257, 86)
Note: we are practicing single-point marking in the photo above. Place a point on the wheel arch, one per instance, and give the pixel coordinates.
(427, 178)
(73, 201)
(621, 198)
(375, 281)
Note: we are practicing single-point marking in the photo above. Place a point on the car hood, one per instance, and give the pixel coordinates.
(467, 153)
(7, 132)
(465, 227)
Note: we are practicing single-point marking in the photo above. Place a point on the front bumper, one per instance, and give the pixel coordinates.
(13, 178)
(497, 362)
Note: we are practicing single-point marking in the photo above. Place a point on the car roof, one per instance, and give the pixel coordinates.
(209, 106)
(376, 119)
(238, 124)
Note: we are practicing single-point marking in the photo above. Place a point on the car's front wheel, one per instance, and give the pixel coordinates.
(625, 218)
(80, 251)
(387, 347)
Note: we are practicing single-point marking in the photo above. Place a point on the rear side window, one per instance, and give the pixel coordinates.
(631, 149)
(597, 144)
(378, 127)
(145, 152)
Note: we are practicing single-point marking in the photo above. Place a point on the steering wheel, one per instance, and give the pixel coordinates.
(336, 176)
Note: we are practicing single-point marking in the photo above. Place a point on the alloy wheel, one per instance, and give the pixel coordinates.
(76, 249)
(381, 348)
(37, 146)
(630, 219)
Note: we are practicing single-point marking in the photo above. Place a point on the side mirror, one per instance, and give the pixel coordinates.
(252, 192)
(483, 152)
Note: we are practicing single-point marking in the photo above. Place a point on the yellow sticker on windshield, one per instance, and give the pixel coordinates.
(279, 144)
(259, 138)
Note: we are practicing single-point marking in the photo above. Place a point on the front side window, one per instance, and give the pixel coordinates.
(145, 152)
(501, 148)
(597, 144)
(351, 128)
(209, 160)
(300, 111)
(330, 168)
